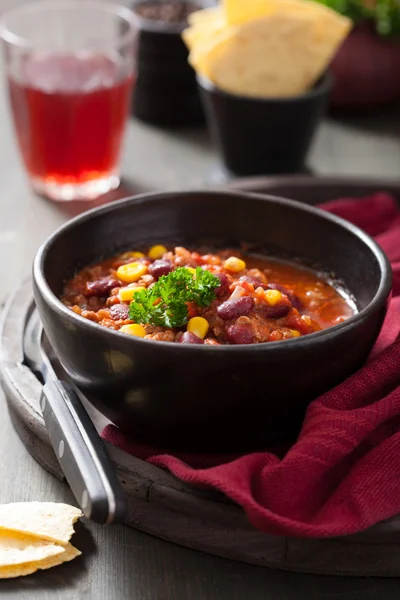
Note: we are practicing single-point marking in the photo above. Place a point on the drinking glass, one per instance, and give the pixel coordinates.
(71, 68)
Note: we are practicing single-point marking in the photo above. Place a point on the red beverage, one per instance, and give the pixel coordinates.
(70, 112)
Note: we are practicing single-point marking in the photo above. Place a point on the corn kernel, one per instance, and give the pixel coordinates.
(136, 330)
(131, 272)
(193, 271)
(157, 252)
(273, 297)
(234, 264)
(126, 294)
(126, 255)
(198, 326)
(295, 333)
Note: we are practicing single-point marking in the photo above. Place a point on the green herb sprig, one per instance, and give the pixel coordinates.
(165, 303)
(385, 15)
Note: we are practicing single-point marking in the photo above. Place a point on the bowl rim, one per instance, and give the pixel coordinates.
(321, 88)
(381, 296)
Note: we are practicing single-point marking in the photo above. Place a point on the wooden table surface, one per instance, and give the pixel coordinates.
(120, 563)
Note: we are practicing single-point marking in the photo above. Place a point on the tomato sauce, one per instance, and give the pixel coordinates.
(257, 299)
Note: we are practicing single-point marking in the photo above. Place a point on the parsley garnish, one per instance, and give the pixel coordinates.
(165, 303)
(384, 14)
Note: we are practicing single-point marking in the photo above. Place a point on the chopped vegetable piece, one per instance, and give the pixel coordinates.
(157, 252)
(136, 330)
(199, 326)
(126, 255)
(126, 294)
(234, 265)
(131, 272)
(273, 297)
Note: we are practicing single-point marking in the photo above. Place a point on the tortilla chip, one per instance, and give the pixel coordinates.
(205, 15)
(68, 553)
(16, 549)
(280, 55)
(200, 56)
(255, 59)
(240, 11)
(265, 48)
(200, 32)
(50, 521)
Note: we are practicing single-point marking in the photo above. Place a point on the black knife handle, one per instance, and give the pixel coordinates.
(82, 454)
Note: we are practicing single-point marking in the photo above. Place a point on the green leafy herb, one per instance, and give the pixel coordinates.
(384, 14)
(165, 303)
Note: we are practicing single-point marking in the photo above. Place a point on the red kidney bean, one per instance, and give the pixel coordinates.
(236, 307)
(101, 287)
(119, 312)
(254, 281)
(95, 303)
(240, 334)
(273, 312)
(160, 267)
(294, 300)
(190, 338)
(224, 287)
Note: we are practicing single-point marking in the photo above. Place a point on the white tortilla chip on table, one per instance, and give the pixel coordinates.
(50, 521)
(16, 549)
(68, 553)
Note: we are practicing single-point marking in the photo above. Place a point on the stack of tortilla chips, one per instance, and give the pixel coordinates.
(35, 535)
(264, 48)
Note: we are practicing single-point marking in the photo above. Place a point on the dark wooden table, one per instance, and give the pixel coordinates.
(119, 563)
(123, 564)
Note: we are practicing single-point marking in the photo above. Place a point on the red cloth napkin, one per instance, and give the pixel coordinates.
(342, 475)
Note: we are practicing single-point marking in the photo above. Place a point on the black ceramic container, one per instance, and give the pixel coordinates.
(166, 92)
(209, 398)
(264, 136)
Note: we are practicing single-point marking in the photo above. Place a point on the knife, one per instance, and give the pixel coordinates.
(79, 449)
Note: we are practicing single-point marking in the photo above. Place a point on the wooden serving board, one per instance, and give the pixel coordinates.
(314, 190)
(161, 505)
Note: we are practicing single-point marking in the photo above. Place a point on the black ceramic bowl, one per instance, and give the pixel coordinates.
(199, 397)
(258, 136)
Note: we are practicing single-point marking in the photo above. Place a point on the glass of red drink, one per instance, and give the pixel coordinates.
(71, 67)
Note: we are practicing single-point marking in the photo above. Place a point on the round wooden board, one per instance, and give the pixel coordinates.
(313, 190)
(161, 505)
